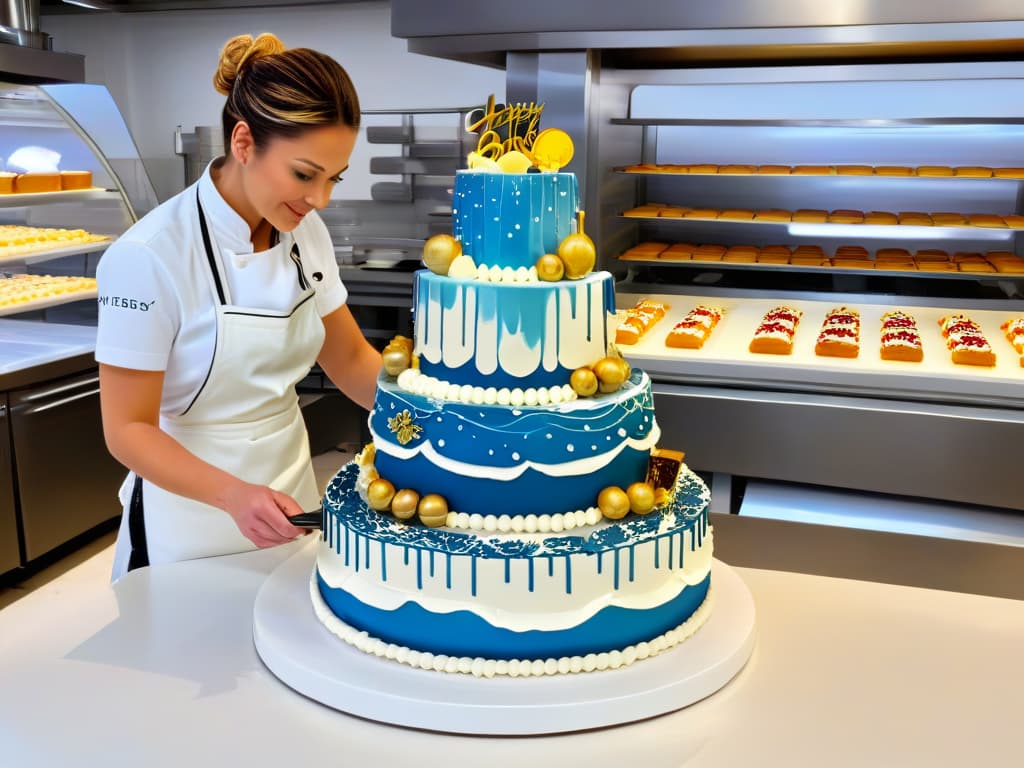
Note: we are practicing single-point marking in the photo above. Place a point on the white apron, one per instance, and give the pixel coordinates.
(245, 419)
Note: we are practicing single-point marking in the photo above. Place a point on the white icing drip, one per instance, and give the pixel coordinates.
(773, 335)
(828, 335)
(690, 331)
(471, 330)
(480, 667)
(512, 604)
(899, 342)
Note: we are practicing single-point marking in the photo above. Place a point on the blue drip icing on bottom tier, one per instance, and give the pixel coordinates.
(463, 633)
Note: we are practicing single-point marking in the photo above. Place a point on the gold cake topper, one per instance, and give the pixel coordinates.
(509, 139)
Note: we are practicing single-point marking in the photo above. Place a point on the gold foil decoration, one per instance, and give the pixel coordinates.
(512, 128)
(552, 149)
(403, 426)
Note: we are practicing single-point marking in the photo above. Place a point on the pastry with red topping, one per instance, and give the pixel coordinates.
(840, 334)
(774, 336)
(1014, 330)
(900, 338)
(966, 341)
(638, 320)
(694, 329)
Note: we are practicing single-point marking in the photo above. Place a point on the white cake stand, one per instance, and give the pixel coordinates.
(304, 655)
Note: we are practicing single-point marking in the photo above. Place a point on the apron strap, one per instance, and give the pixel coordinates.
(214, 269)
(296, 258)
(139, 557)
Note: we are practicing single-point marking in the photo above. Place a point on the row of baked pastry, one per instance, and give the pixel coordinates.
(818, 216)
(21, 289)
(930, 171)
(31, 183)
(18, 241)
(839, 336)
(844, 257)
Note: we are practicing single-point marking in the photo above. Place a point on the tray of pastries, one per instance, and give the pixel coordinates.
(22, 293)
(838, 216)
(874, 347)
(17, 242)
(845, 257)
(922, 171)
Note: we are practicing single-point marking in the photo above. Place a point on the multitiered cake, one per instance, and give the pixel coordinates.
(513, 514)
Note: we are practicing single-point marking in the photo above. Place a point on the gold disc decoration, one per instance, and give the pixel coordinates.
(552, 149)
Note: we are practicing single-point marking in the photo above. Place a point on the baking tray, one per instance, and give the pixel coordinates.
(725, 358)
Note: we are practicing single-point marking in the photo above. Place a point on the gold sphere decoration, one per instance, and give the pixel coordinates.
(395, 360)
(433, 510)
(403, 505)
(584, 382)
(627, 369)
(613, 502)
(379, 494)
(439, 252)
(611, 374)
(550, 268)
(641, 498)
(578, 254)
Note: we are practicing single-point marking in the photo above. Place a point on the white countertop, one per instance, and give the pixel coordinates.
(28, 343)
(161, 670)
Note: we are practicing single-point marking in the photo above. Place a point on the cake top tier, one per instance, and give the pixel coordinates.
(513, 219)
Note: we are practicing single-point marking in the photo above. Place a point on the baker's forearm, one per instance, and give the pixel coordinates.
(357, 376)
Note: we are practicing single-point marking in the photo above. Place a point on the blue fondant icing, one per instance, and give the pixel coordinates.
(511, 220)
(530, 492)
(539, 434)
(512, 438)
(462, 633)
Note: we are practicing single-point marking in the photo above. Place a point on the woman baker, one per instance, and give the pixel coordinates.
(227, 295)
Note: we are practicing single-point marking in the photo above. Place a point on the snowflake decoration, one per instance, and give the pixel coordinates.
(404, 427)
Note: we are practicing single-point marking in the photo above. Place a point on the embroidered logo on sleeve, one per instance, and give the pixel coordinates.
(125, 303)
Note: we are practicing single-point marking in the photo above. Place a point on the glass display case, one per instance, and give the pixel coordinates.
(71, 181)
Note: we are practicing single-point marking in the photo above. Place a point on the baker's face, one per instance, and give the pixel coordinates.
(288, 178)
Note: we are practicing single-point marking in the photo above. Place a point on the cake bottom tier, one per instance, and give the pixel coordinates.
(515, 596)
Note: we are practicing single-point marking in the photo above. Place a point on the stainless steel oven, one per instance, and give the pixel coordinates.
(10, 557)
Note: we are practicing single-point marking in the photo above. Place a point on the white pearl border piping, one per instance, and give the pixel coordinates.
(411, 380)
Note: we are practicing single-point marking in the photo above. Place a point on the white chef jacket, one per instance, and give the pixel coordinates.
(156, 309)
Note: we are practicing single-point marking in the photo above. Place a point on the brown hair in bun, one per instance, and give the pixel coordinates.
(281, 92)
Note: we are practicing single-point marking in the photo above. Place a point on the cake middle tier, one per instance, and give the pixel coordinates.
(514, 460)
(511, 334)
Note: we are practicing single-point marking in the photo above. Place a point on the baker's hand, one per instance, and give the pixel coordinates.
(261, 514)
